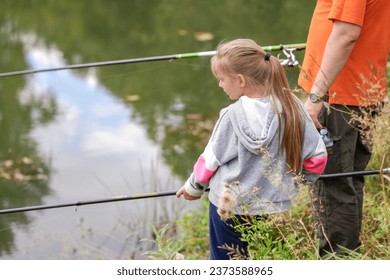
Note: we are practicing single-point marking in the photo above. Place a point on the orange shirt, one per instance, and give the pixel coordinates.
(362, 81)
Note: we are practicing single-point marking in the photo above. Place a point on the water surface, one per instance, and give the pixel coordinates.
(77, 135)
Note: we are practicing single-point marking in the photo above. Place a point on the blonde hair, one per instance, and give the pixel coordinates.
(246, 57)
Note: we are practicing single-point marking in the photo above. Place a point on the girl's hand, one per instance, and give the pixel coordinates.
(182, 191)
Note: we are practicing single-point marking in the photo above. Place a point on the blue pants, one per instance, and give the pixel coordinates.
(222, 233)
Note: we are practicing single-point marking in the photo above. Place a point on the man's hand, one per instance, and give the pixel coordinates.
(182, 191)
(314, 110)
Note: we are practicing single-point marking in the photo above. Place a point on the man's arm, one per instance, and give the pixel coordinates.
(338, 48)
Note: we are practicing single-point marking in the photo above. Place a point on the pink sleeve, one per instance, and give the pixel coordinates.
(315, 165)
(202, 173)
(206, 165)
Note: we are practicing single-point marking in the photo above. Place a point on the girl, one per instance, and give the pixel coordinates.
(259, 145)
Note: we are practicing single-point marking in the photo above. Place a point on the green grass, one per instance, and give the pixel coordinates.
(285, 236)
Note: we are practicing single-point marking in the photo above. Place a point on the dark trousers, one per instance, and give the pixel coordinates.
(222, 233)
(338, 202)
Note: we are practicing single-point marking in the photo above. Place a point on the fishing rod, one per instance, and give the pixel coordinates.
(355, 174)
(287, 50)
(168, 193)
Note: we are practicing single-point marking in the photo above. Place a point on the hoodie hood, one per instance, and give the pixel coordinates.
(255, 121)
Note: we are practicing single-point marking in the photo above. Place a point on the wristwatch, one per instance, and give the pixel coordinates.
(314, 97)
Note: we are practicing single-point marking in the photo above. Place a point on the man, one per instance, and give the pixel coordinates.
(345, 65)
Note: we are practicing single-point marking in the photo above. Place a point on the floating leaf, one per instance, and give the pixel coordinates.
(194, 116)
(132, 98)
(203, 36)
(8, 163)
(27, 160)
(23, 169)
(182, 32)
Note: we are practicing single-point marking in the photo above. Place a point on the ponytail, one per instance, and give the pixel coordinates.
(292, 114)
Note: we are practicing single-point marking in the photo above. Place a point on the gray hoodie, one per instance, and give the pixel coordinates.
(243, 152)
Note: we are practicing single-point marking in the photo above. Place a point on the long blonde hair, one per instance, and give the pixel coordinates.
(246, 57)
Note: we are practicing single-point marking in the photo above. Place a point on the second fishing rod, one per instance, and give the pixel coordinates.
(168, 193)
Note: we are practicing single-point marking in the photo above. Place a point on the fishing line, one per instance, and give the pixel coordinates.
(151, 68)
(31, 223)
(206, 64)
(128, 73)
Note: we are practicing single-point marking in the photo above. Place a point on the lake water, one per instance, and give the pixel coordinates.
(78, 135)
